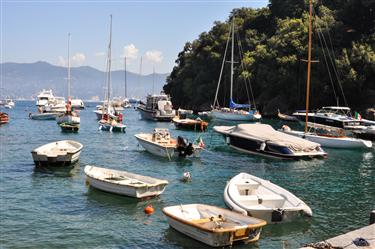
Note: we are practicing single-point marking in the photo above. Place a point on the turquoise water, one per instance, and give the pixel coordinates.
(53, 208)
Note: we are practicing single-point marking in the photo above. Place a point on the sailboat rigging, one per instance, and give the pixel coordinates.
(235, 112)
(108, 122)
(326, 140)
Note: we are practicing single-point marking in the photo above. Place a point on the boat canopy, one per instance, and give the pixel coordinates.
(234, 105)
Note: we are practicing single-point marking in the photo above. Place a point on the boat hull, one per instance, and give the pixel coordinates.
(64, 160)
(163, 151)
(332, 142)
(154, 115)
(194, 125)
(126, 191)
(231, 116)
(43, 116)
(68, 119)
(110, 128)
(69, 128)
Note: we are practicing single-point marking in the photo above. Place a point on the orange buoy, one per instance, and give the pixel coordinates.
(149, 209)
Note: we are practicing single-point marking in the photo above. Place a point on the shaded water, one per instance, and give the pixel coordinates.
(50, 208)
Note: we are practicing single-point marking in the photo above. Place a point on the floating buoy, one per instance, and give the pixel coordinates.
(186, 177)
(149, 209)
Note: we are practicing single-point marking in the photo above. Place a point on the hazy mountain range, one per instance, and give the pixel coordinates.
(26, 80)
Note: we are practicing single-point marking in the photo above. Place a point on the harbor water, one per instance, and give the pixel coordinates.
(54, 208)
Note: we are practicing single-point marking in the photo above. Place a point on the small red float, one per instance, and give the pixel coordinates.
(149, 209)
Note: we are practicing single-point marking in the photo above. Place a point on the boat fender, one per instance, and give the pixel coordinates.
(277, 215)
(285, 128)
(262, 146)
(227, 140)
(30, 115)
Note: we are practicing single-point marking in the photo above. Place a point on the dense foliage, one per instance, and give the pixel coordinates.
(274, 41)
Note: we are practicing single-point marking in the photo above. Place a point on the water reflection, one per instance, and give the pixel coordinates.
(57, 171)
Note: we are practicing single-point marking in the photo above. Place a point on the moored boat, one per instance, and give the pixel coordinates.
(67, 127)
(190, 124)
(111, 125)
(64, 152)
(330, 141)
(262, 139)
(4, 118)
(124, 183)
(368, 133)
(256, 197)
(157, 108)
(44, 115)
(161, 144)
(214, 226)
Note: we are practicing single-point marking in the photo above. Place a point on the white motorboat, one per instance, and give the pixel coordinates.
(330, 141)
(212, 225)
(44, 98)
(161, 144)
(78, 104)
(64, 152)
(9, 103)
(157, 108)
(235, 112)
(44, 115)
(251, 195)
(124, 183)
(262, 139)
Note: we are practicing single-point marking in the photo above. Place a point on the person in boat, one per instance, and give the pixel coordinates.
(120, 117)
(40, 109)
(68, 108)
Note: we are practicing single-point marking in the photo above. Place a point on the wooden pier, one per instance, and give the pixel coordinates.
(346, 240)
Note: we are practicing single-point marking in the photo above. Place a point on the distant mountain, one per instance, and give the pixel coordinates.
(25, 80)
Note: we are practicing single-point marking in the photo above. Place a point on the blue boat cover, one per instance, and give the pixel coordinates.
(234, 105)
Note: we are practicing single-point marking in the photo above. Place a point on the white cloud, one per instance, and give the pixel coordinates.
(61, 61)
(78, 59)
(130, 51)
(99, 54)
(154, 56)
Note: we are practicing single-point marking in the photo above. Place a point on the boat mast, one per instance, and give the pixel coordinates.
(109, 64)
(231, 62)
(153, 79)
(68, 66)
(308, 69)
(126, 95)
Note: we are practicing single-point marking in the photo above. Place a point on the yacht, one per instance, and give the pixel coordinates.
(331, 116)
(157, 108)
(44, 97)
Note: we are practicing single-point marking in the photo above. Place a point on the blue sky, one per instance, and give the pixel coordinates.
(156, 30)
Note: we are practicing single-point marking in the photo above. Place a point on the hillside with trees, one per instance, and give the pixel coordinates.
(274, 41)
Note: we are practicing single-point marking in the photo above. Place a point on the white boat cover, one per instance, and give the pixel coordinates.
(265, 133)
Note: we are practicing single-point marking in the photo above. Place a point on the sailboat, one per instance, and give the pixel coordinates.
(69, 117)
(235, 112)
(325, 140)
(125, 102)
(107, 123)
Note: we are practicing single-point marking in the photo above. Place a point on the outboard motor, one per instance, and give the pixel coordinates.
(182, 147)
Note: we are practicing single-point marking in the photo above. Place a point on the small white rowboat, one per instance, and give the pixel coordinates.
(212, 225)
(64, 152)
(248, 194)
(124, 183)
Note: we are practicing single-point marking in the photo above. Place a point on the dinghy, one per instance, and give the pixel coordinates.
(161, 144)
(248, 194)
(124, 183)
(190, 124)
(212, 225)
(66, 127)
(64, 152)
(111, 125)
(4, 118)
(44, 115)
(329, 141)
(262, 139)
(286, 117)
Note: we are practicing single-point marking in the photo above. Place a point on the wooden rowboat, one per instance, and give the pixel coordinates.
(124, 183)
(212, 225)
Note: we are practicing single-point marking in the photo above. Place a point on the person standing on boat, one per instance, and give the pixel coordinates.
(68, 107)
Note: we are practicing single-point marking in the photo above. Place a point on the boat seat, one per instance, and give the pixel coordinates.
(271, 200)
(204, 220)
(247, 186)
